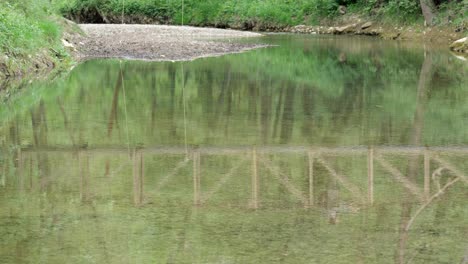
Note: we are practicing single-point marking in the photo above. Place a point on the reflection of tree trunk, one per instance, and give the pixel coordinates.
(4, 162)
(225, 91)
(15, 139)
(208, 105)
(39, 126)
(35, 127)
(43, 127)
(265, 114)
(425, 78)
(78, 126)
(66, 123)
(115, 103)
(253, 94)
(308, 108)
(288, 115)
(278, 112)
(154, 103)
(113, 115)
(228, 112)
(172, 84)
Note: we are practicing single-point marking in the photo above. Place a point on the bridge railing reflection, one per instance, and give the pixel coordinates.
(261, 163)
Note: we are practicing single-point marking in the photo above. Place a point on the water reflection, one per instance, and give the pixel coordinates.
(317, 151)
(318, 185)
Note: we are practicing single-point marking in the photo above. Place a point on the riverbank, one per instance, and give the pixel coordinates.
(58, 43)
(140, 42)
(401, 20)
(30, 39)
(440, 35)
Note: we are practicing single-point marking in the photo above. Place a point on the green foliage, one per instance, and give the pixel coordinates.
(453, 13)
(233, 13)
(320, 8)
(247, 14)
(25, 27)
(404, 10)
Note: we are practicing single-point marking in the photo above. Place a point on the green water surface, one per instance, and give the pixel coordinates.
(321, 149)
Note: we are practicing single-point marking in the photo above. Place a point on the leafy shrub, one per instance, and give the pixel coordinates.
(403, 7)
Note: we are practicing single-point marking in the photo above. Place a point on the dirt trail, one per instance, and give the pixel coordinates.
(157, 42)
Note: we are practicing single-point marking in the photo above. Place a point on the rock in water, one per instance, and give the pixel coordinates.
(460, 45)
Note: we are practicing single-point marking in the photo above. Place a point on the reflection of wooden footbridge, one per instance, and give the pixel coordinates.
(257, 157)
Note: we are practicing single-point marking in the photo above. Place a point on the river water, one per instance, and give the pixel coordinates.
(321, 149)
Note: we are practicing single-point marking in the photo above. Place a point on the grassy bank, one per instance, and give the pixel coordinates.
(259, 14)
(30, 37)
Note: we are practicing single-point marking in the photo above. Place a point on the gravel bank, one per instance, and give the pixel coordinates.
(158, 43)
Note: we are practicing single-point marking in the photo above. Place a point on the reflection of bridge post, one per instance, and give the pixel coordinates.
(427, 179)
(255, 180)
(310, 156)
(370, 175)
(196, 178)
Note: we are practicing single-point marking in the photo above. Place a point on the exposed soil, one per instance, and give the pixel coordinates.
(157, 42)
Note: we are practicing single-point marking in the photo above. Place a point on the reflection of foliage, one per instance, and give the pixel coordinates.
(317, 91)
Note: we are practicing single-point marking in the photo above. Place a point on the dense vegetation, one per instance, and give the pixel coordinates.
(258, 14)
(29, 34)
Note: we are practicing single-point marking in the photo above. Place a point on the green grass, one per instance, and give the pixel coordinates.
(26, 27)
(28, 30)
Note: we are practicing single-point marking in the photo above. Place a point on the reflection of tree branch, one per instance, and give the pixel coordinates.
(407, 228)
(439, 193)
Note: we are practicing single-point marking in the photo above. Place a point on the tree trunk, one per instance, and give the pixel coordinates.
(428, 10)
